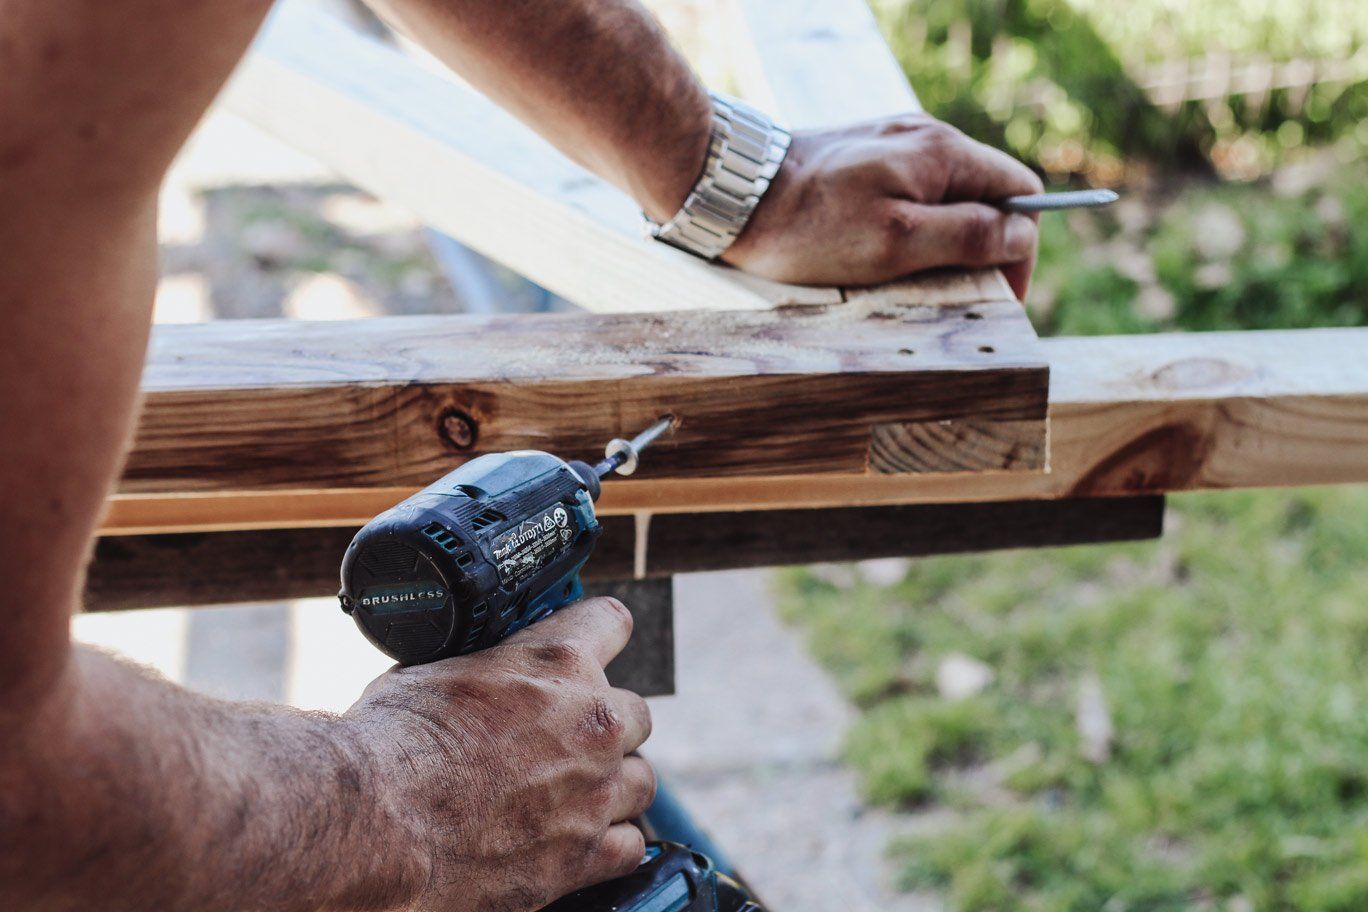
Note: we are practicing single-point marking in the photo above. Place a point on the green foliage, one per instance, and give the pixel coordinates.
(1230, 655)
(1214, 257)
(1054, 81)
(1299, 261)
(907, 739)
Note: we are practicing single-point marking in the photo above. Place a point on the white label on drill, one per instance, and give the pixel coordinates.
(533, 543)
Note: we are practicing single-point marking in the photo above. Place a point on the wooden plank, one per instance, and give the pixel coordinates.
(263, 405)
(1129, 415)
(819, 62)
(224, 568)
(689, 543)
(1134, 415)
(155, 571)
(468, 168)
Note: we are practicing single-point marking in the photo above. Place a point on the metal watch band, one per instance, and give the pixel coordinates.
(744, 155)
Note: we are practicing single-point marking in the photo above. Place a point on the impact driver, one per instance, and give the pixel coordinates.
(493, 546)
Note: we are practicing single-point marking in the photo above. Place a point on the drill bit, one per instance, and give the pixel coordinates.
(621, 455)
(1050, 202)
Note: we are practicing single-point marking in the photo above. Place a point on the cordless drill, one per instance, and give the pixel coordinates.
(478, 555)
(493, 546)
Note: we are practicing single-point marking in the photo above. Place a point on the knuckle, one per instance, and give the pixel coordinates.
(905, 123)
(901, 223)
(599, 802)
(593, 838)
(582, 847)
(602, 725)
(939, 134)
(558, 657)
(901, 228)
(977, 235)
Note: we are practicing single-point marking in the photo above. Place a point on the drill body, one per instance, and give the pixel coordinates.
(477, 556)
(474, 557)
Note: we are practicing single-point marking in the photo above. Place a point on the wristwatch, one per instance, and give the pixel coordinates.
(744, 155)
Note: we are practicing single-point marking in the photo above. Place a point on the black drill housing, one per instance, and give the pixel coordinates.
(472, 558)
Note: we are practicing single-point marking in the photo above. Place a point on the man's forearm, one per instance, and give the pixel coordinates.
(598, 78)
(127, 792)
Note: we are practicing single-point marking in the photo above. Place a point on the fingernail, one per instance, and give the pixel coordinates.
(1019, 237)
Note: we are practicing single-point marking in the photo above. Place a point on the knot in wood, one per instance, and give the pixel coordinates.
(458, 429)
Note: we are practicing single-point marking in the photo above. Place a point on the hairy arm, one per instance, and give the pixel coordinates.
(494, 783)
(858, 205)
(95, 100)
(598, 78)
(117, 790)
(122, 791)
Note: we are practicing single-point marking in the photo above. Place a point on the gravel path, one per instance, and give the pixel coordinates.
(750, 744)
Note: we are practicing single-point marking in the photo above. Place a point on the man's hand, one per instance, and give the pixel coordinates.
(874, 202)
(494, 782)
(510, 766)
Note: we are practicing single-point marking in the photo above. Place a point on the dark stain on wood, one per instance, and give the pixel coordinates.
(1166, 458)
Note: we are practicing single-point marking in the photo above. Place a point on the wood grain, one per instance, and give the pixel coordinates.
(154, 571)
(955, 445)
(1130, 415)
(261, 405)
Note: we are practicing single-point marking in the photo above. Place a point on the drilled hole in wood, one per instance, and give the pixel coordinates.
(987, 349)
(907, 351)
(973, 315)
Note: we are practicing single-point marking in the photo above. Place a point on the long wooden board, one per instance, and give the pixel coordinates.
(463, 165)
(819, 63)
(247, 406)
(187, 570)
(1129, 415)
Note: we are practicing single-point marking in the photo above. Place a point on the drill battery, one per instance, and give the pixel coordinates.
(670, 879)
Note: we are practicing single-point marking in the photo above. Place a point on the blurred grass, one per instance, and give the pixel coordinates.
(1209, 256)
(1230, 656)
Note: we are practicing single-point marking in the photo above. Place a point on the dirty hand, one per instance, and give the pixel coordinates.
(509, 768)
(873, 202)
